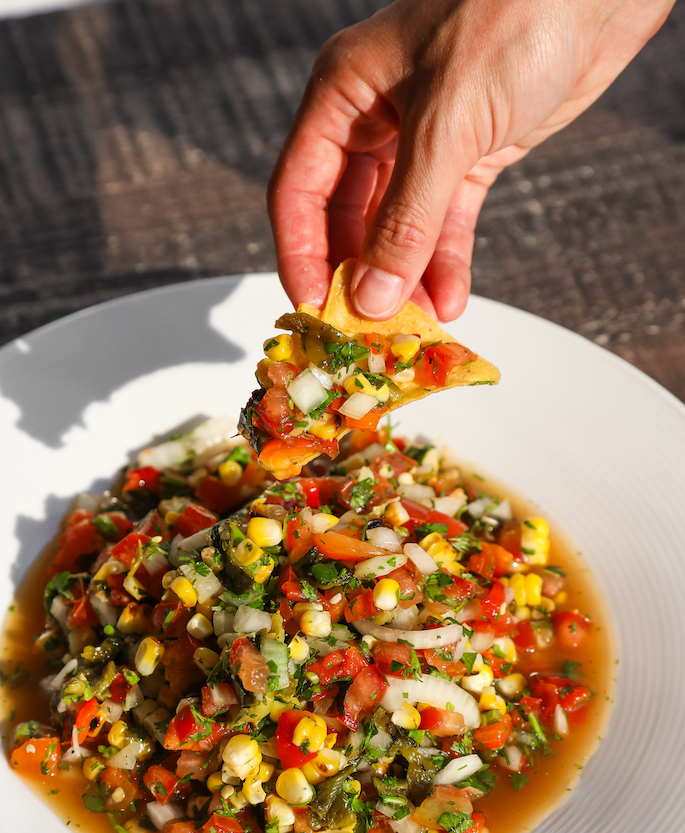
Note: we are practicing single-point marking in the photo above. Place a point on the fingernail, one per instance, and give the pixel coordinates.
(377, 293)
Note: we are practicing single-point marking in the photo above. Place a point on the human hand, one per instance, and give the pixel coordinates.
(406, 122)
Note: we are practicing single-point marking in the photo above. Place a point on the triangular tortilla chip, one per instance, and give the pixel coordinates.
(340, 313)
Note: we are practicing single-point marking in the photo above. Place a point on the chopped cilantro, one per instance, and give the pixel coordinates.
(361, 493)
(426, 529)
(518, 780)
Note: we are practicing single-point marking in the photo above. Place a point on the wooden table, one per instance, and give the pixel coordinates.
(136, 139)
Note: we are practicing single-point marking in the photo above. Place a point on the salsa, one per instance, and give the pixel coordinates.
(387, 645)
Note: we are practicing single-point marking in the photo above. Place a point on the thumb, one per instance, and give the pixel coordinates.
(401, 238)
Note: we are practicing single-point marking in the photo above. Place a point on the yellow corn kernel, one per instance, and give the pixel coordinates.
(92, 767)
(247, 552)
(280, 348)
(331, 740)
(215, 782)
(134, 588)
(406, 717)
(167, 578)
(230, 472)
(546, 604)
(328, 762)
(316, 623)
(477, 683)
(518, 585)
(206, 608)
(253, 790)
(396, 514)
(263, 573)
(533, 589)
(489, 700)
(299, 649)
(278, 708)
(109, 568)
(535, 540)
(262, 373)
(238, 800)
(358, 383)
(264, 532)
(561, 597)
(277, 810)
(508, 647)
(522, 612)
(148, 655)
(265, 772)
(185, 591)
(132, 619)
(311, 730)
(386, 594)
(171, 517)
(119, 735)
(512, 685)
(292, 786)
(405, 347)
(199, 626)
(325, 428)
(442, 552)
(242, 754)
(206, 659)
(323, 521)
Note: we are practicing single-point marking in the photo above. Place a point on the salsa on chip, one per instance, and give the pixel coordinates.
(338, 372)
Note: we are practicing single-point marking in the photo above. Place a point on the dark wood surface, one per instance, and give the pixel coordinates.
(137, 137)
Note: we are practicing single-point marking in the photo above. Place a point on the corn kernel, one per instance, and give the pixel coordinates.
(405, 347)
(546, 604)
(323, 521)
(533, 589)
(132, 619)
(215, 782)
(92, 767)
(148, 655)
(253, 790)
(441, 551)
(477, 683)
(167, 578)
(535, 541)
(206, 659)
(353, 788)
(171, 517)
(227, 792)
(278, 708)
(292, 786)
(328, 762)
(238, 800)
(264, 532)
(119, 734)
(242, 754)
(280, 348)
(266, 771)
(396, 514)
(316, 623)
(277, 810)
(185, 591)
(358, 383)
(299, 649)
(118, 795)
(247, 552)
(262, 373)
(331, 740)
(518, 585)
(508, 647)
(406, 717)
(386, 594)
(489, 700)
(263, 572)
(522, 612)
(512, 685)
(199, 626)
(230, 472)
(561, 597)
(134, 588)
(312, 730)
(325, 428)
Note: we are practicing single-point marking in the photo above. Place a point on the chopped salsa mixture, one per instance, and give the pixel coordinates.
(371, 647)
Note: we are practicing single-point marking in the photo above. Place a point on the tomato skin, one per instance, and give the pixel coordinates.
(289, 754)
(80, 538)
(145, 477)
(298, 538)
(525, 638)
(183, 732)
(438, 360)
(252, 668)
(30, 755)
(345, 548)
(160, 782)
(82, 614)
(360, 607)
(442, 723)
(385, 653)
(338, 665)
(321, 490)
(379, 345)
(409, 590)
(274, 414)
(454, 527)
(571, 628)
(363, 695)
(492, 603)
(218, 698)
(286, 459)
(483, 563)
(194, 519)
(453, 668)
(494, 735)
(368, 422)
(126, 550)
(222, 824)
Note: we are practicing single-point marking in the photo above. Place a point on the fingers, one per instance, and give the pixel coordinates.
(347, 208)
(433, 155)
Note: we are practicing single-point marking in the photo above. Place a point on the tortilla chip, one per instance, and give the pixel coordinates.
(339, 312)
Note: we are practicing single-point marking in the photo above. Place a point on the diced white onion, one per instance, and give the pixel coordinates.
(306, 391)
(405, 619)
(502, 511)
(435, 692)
(380, 565)
(424, 563)
(199, 445)
(104, 609)
(514, 760)
(205, 586)
(405, 825)
(222, 622)
(479, 507)
(450, 504)
(249, 620)
(358, 405)
(325, 378)
(61, 676)
(560, 721)
(433, 638)
(482, 641)
(385, 538)
(72, 755)
(376, 363)
(162, 814)
(404, 376)
(59, 610)
(457, 770)
(126, 758)
(112, 710)
(134, 697)
(417, 492)
(508, 594)
(86, 500)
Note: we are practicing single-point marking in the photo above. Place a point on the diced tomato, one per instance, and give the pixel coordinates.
(441, 800)
(192, 765)
(360, 606)
(182, 826)
(185, 732)
(342, 547)
(442, 723)
(338, 665)
(417, 512)
(438, 360)
(525, 638)
(222, 824)
(494, 735)
(368, 422)
(571, 628)
(380, 491)
(531, 705)
(483, 563)
(154, 526)
(288, 753)
(146, 477)
(81, 537)
(286, 459)
(409, 590)
(170, 619)
(492, 603)
(82, 614)
(443, 660)
(454, 527)
(194, 519)
(397, 461)
(478, 825)
(181, 672)
(334, 608)
(215, 494)
(218, 698)
(283, 373)
(119, 688)
(576, 699)
(38, 756)
(298, 538)
(391, 658)
(379, 345)
(128, 548)
(250, 665)
(460, 590)
(503, 559)
(365, 693)
(320, 491)
(160, 782)
(496, 664)
(510, 537)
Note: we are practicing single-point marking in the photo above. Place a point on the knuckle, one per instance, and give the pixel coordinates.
(399, 226)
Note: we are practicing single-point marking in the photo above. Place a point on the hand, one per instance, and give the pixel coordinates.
(406, 122)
